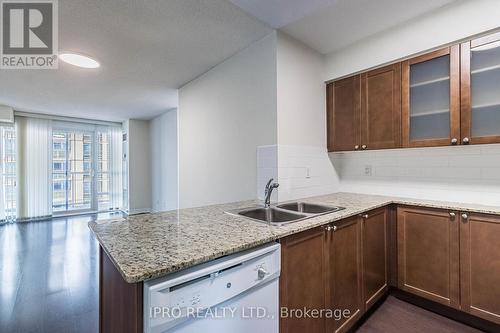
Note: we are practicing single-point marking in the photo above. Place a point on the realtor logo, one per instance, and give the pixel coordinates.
(29, 37)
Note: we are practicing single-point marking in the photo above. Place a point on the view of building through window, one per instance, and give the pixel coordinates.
(103, 176)
(71, 171)
(80, 171)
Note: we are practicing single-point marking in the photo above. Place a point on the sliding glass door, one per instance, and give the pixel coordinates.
(85, 172)
(72, 171)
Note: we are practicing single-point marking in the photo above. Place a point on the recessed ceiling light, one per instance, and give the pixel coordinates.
(79, 60)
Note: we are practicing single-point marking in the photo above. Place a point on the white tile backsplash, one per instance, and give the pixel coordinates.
(463, 173)
(468, 174)
(301, 171)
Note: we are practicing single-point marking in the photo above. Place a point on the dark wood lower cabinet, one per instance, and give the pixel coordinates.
(303, 280)
(428, 253)
(392, 215)
(322, 269)
(344, 290)
(120, 303)
(480, 265)
(375, 236)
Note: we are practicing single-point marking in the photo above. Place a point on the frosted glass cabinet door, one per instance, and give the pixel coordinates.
(481, 90)
(431, 99)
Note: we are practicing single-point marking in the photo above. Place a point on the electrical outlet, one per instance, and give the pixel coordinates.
(368, 170)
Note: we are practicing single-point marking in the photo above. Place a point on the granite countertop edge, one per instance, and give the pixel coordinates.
(271, 233)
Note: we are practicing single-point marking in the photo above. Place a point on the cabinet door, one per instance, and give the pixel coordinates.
(343, 114)
(480, 101)
(303, 279)
(381, 108)
(344, 273)
(480, 265)
(375, 255)
(431, 99)
(428, 254)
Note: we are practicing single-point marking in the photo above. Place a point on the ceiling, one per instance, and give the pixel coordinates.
(329, 25)
(279, 13)
(147, 50)
(348, 21)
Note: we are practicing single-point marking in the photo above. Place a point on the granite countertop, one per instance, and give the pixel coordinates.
(148, 246)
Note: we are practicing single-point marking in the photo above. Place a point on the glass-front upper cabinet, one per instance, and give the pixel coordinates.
(431, 99)
(480, 90)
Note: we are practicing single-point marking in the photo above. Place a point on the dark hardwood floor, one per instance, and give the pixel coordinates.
(49, 276)
(396, 316)
(49, 283)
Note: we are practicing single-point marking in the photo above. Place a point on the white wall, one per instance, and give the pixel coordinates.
(139, 166)
(163, 136)
(303, 166)
(224, 115)
(441, 27)
(299, 161)
(463, 173)
(301, 100)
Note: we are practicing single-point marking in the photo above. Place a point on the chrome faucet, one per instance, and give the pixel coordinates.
(270, 186)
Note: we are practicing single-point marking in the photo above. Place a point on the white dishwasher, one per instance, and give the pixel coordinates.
(237, 293)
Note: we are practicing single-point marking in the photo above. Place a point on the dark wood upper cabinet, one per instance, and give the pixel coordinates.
(303, 279)
(344, 288)
(480, 84)
(445, 97)
(375, 246)
(428, 254)
(381, 108)
(431, 99)
(480, 265)
(344, 114)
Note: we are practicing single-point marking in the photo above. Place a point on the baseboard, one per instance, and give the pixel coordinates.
(446, 311)
(34, 219)
(137, 211)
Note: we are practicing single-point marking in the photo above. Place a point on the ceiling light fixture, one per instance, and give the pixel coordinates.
(79, 60)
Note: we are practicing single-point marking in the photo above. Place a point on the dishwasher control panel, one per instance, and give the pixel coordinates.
(175, 298)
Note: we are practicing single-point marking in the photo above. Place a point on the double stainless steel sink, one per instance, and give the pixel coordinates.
(284, 213)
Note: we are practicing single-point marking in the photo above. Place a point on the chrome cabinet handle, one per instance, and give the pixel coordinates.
(465, 216)
(364, 147)
(454, 141)
(365, 216)
(334, 228)
(329, 228)
(356, 147)
(452, 215)
(465, 141)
